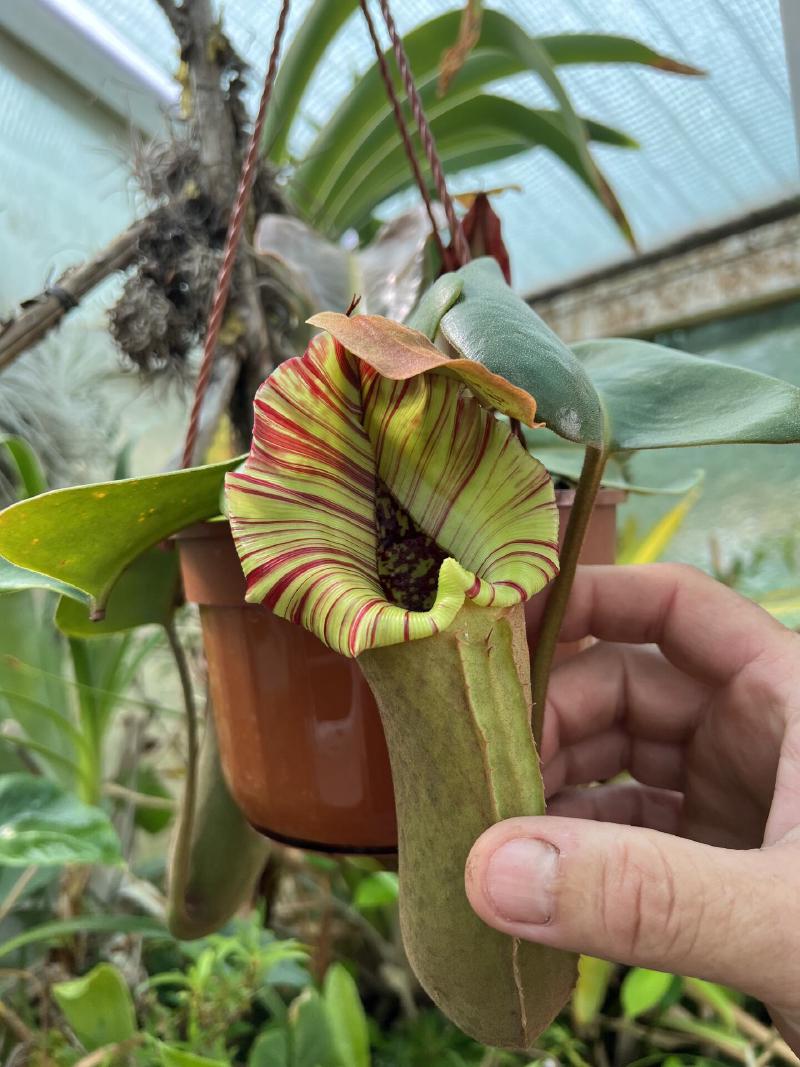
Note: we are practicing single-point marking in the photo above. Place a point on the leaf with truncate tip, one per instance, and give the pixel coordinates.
(398, 352)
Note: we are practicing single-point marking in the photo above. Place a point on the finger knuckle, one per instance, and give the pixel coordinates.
(639, 902)
(680, 573)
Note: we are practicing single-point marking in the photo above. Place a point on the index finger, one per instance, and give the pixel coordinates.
(702, 627)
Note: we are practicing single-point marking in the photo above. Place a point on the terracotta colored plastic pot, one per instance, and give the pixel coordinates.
(299, 733)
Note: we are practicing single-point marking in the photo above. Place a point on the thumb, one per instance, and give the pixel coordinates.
(645, 898)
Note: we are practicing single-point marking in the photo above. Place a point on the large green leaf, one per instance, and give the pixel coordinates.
(42, 825)
(145, 594)
(493, 325)
(503, 49)
(469, 131)
(88, 535)
(617, 394)
(657, 397)
(98, 1007)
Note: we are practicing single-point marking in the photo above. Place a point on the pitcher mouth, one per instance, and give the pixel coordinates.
(371, 507)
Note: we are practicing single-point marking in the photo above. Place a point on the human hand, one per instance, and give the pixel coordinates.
(696, 692)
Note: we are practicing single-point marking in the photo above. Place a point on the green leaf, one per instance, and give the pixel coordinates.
(783, 605)
(656, 397)
(364, 124)
(478, 129)
(493, 325)
(16, 579)
(50, 754)
(433, 303)
(42, 825)
(618, 394)
(312, 1043)
(594, 976)
(642, 990)
(178, 1057)
(146, 593)
(570, 48)
(270, 1049)
(23, 706)
(98, 1007)
(377, 890)
(29, 470)
(86, 536)
(651, 547)
(138, 925)
(307, 47)
(346, 1017)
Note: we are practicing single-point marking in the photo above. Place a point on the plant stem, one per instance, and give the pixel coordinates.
(743, 1021)
(16, 891)
(139, 800)
(588, 485)
(183, 837)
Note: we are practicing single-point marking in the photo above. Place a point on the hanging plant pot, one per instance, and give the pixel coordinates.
(299, 734)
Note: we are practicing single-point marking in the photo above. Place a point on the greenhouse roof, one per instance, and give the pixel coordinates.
(712, 148)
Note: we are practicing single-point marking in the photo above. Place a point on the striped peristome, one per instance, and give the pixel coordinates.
(302, 509)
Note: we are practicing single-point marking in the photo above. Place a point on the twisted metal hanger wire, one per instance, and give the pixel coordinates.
(457, 235)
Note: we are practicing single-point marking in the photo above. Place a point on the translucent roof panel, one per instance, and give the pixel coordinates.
(711, 148)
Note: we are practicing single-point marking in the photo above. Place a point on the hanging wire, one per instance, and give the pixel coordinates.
(404, 133)
(457, 236)
(232, 238)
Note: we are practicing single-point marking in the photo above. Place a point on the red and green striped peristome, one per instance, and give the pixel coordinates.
(335, 439)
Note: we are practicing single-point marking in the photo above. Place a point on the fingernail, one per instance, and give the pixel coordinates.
(520, 879)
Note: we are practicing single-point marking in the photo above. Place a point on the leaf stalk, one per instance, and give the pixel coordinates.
(594, 463)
